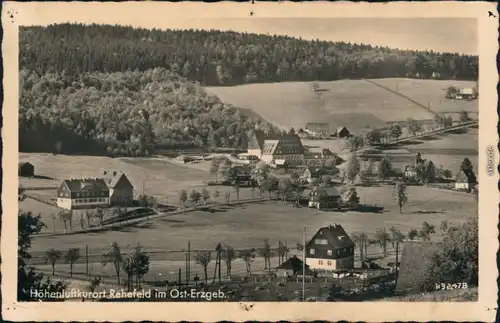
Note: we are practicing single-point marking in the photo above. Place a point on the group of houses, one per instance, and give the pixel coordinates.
(326, 130)
(283, 150)
(112, 188)
(329, 250)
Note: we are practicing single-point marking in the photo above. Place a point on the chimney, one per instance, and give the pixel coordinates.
(105, 172)
(114, 173)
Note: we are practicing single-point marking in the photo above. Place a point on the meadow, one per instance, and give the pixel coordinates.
(247, 225)
(356, 104)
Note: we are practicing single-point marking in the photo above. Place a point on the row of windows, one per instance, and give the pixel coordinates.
(79, 201)
(321, 241)
(90, 194)
(329, 262)
(329, 252)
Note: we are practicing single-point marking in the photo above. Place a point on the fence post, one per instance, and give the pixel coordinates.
(87, 258)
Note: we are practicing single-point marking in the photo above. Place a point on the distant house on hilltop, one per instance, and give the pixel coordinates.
(330, 248)
(271, 148)
(83, 193)
(26, 169)
(121, 190)
(466, 94)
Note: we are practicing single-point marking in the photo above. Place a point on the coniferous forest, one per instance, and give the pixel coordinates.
(122, 91)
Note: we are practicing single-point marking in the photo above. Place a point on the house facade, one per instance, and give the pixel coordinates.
(330, 249)
(26, 169)
(291, 267)
(466, 94)
(320, 129)
(465, 180)
(324, 197)
(287, 148)
(82, 194)
(121, 190)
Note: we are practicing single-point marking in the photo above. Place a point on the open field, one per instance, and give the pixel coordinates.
(245, 226)
(159, 178)
(357, 104)
(432, 93)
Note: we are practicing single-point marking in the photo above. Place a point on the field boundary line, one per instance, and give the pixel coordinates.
(142, 219)
(402, 95)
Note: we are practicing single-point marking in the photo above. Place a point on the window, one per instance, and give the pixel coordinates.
(338, 251)
(311, 251)
(329, 262)
(320, 262)
(321, 241)
(329, 252)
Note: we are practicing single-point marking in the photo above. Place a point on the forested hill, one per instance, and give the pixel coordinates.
(124, 114)
(225, 58)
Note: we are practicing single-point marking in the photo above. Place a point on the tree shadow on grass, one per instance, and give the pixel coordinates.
(132, 227)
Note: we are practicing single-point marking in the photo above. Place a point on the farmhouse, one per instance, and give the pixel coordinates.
(465, 180)
(256, 143)
(291, 267)
(342, 132)
(312, 174)
(410, 172)
(330, 249)
(324, 197)
(82, 193)
(318, 128)
(26, 169)
(121, 191)
(466, 94)
(288, 148)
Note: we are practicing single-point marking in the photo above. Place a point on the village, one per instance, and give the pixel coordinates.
(277, 169)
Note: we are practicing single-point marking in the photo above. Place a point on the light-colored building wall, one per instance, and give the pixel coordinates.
(64, 203)
(464, 186)
(330, 264)
(89, 202)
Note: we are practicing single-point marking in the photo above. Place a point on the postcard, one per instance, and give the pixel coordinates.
(250, 161)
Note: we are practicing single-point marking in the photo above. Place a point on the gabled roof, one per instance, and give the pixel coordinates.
(295, 264)
(317, 125)
(21, 164)
(268, 143)
(336, 236)
(341, 128)
(86, 185)
(111, 178)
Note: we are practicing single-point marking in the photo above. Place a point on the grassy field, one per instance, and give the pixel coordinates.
(357, 104)
(245, 226)
(432, 93)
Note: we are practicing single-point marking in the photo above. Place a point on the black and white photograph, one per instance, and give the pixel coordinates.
(252, 159)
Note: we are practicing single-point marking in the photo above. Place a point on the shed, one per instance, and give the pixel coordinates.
(342, 132)
(26, 169)
(291, 267)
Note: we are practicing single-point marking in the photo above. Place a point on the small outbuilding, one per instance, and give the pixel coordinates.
(26, 169)
(291, 267)
(342, 132)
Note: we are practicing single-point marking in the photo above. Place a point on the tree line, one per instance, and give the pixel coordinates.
(125, 114)
(216, 58)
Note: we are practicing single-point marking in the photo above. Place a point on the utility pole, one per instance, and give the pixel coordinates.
(187, 272)
(304, 267)
(87, 258)
(189, 259)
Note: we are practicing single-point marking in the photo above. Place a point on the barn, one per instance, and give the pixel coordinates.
(26, 169)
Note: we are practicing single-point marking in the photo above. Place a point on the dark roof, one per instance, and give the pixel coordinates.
(295, 264)
(86, 185)
(272, 143)
(317, 125)
(336, 236)
(257, 140)
(111, 178)
(414, 258)
(330, 191)
(21, 164)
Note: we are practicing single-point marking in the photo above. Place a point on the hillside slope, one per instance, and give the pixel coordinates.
(215, 57)
(356, 104)
(124, 114)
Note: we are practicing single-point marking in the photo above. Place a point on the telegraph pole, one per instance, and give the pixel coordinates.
(304, 267)
(87, 258)
(189, 259)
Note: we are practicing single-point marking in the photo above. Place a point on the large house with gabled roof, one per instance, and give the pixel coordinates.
(121, 190)
(85, 193)
(330, 249)
(285, 148)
